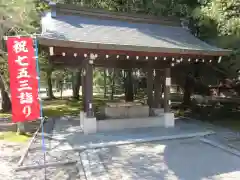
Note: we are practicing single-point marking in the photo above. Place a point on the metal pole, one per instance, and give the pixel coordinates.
(20, 162)
(53, 164)
(41, 109)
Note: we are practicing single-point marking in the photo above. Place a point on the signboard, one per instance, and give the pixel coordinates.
(23, 79)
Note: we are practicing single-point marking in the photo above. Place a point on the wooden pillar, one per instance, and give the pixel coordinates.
(83, 87)
(129, 94)
(150, 87)
(157, 89)
(167, 90)
(89, 89)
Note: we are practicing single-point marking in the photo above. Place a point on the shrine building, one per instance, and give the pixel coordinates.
(84, 38)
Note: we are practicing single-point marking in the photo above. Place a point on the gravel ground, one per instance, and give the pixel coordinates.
(170, 160)
(10, 154)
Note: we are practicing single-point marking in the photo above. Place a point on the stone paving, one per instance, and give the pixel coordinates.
(185, 159)
(222, 135)
(10, 154)
(162, 160)
(66, 131)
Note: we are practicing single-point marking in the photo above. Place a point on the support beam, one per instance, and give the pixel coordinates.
(157, 89)
(102, 52)
(167, 90)
(129, 91)
(150, 87)
(83, 87)
(41, 166)
(89, 89)
(20, 162)
(111, 62)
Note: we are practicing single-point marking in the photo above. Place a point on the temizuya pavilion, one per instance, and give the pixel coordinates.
(87, 38)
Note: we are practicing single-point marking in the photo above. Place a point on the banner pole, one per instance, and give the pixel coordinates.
(41, 107)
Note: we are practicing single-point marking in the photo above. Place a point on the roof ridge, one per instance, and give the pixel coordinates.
(104, 14)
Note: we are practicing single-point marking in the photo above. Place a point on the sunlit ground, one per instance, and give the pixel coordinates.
(13, 137)
(170, 160)
(230, 123)
(5, 115)
(68, 107)
(61, 107)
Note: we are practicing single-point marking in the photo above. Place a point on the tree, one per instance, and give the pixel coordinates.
(47, 69)
(129, 94)
(219, 24)
(76, 83)
(16, 17)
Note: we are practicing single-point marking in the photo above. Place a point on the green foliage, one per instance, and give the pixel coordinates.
(217, 21)
(224, 14)
(13, 137)
(58, 108)
(219, 24)
(17, 17)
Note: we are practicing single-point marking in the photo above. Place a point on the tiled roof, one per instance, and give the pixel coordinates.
(86, 29)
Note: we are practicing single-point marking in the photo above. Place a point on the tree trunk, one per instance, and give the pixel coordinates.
(49, 83)
(129, 87)
(61, 90)
(113, 84)
(188, 90)
(6, 102)
(76, 83)
(105, 83)
(7, 105)
(157, 89)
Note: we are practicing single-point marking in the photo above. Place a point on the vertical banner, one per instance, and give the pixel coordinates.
(23, 79)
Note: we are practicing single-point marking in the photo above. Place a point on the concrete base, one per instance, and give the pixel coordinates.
(89, 125)
(158, 111)
(82, 116)
(125, 110)
(166, 120)
(169, 120)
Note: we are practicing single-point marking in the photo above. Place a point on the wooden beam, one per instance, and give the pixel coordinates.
(113, 53)
(167, 90)
(60, 61)
(128, 49)
(89, 89)
(119, 55)
(150, 86)
(138, 59)
(83, 79)
(157, 89)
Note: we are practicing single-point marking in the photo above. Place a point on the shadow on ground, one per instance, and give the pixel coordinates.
(176, 159)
